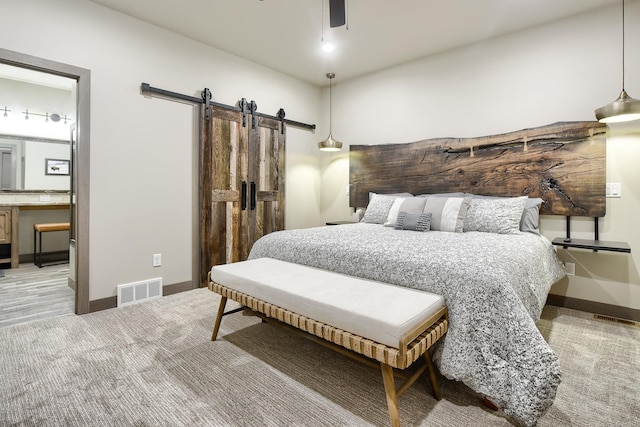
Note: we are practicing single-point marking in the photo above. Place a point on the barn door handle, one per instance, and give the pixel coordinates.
(244, 195)
(253, 195)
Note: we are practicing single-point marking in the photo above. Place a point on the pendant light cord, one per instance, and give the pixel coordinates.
(330, 106)
(347, 13)
(322, 27)
(622, 44)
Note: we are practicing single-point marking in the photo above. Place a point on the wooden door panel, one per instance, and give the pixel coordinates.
(207, 259)
(222, 170)
(266, 151)
(221, 161)
(241, 233)
(241, 185)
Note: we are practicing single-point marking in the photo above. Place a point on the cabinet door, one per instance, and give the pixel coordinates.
(5, 226)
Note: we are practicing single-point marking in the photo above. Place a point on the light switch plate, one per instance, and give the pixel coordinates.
(614, 189)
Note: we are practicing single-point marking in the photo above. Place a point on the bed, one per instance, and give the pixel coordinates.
(480, 253)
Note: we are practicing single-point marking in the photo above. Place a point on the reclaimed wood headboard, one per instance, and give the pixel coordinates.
(562, 163)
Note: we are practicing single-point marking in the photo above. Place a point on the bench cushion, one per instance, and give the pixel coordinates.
(380, 312)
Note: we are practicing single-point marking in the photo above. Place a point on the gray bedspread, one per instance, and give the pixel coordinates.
(495, 286)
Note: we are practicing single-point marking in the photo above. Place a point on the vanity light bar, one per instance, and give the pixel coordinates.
(54, 117)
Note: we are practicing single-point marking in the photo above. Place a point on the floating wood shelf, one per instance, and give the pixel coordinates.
(595, 245)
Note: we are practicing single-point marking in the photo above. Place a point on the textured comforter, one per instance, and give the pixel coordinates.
(494, 285)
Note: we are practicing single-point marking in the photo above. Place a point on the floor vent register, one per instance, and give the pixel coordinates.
(616, 320)
(145, 290)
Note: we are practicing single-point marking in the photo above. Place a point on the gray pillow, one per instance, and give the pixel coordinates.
(404, 204)
(379, 206)
(414, 222)
(531, 215)
(447, 213)
(500, 216)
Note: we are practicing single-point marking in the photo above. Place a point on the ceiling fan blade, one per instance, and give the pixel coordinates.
(336, 13)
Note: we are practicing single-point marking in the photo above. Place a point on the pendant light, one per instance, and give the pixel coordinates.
(624, 108)
(330, 144)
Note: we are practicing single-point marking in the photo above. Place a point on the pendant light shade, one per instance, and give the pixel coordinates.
(624, 108)
(330, 144)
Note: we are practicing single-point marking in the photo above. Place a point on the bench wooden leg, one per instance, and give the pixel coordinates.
(489, 404)
(392, 397)
(216, 327)
(432, 375)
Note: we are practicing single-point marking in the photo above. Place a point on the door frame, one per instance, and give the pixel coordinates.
(83, 78)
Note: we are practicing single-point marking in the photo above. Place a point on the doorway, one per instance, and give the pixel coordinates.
(79, 193)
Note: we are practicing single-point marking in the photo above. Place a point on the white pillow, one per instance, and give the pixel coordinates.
(447, 213)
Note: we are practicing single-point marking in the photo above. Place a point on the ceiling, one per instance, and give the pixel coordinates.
(285, 34)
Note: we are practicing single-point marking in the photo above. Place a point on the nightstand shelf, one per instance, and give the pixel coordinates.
(595, 245)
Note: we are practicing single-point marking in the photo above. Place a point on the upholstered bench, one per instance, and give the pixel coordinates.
(38, 229)
(392, 325)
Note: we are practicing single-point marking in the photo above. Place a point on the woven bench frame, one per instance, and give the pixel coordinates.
(391, 356)
(413, 347)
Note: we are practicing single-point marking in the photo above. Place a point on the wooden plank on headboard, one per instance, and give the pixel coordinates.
(562, 163)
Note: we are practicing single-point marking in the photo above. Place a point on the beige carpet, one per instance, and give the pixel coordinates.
(153, 364)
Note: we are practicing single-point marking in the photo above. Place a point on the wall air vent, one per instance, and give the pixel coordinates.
(133, 293)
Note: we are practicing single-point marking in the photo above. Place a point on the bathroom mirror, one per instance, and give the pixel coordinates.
(36, 112)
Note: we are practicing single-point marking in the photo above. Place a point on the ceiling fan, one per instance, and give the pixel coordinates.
(337, 15)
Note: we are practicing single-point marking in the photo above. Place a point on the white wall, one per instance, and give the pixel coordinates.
(142, 148)
(20, 97)
(557, 72)
(35, 155)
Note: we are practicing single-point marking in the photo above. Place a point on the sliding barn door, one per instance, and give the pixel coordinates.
(266, 181)
(241, 184)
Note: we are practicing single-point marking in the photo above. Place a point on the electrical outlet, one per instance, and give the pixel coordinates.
(157, 260)
(570, 268)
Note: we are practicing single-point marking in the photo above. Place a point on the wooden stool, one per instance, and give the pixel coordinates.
(38, 229)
